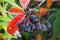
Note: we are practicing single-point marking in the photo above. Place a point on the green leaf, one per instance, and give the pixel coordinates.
(9, 36)
(6, 36)
(9, 1)
(5, 5)
(26, 35)
(6, 19)
(0, 27)
(1, 0)
(12, 2)
(1, 35)
(3, 23)
(36, 10)
(56, 28)
(3, 11)
(9, 15)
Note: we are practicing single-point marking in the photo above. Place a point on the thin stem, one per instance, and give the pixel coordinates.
(41, 3)
(38, 5)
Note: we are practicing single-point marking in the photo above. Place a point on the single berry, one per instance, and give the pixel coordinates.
(48, 25)
(33, 19)
(43, 27)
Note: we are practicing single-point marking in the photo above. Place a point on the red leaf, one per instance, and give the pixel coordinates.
(12, 27)
(24, 3)
(14, 20)
(16, 10)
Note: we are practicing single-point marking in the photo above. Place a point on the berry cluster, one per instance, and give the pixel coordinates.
(33, 24)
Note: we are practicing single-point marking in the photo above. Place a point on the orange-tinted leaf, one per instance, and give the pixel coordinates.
(24, 3)
(43, 11)
(15, 10)
(37, 14)
(1, 39)
(48, 4)
(12, 29)
(39, 37)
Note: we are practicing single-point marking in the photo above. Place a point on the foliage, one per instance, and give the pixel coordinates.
(50, 14)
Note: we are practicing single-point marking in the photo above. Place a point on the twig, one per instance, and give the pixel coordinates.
(38, 5)
(41, 3)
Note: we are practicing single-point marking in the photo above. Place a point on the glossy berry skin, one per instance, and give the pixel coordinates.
(48, 25)
(22, 26)
(38, 25)
(26, 27)
(32, 26)
(33, 19)
(43, 27)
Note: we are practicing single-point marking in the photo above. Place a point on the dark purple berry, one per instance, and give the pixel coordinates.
(48, 25)
(32, 27)
(34, 19)
(43, 27)
(27, 28)
(18, 24)
(22, 26)
(38, 25)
